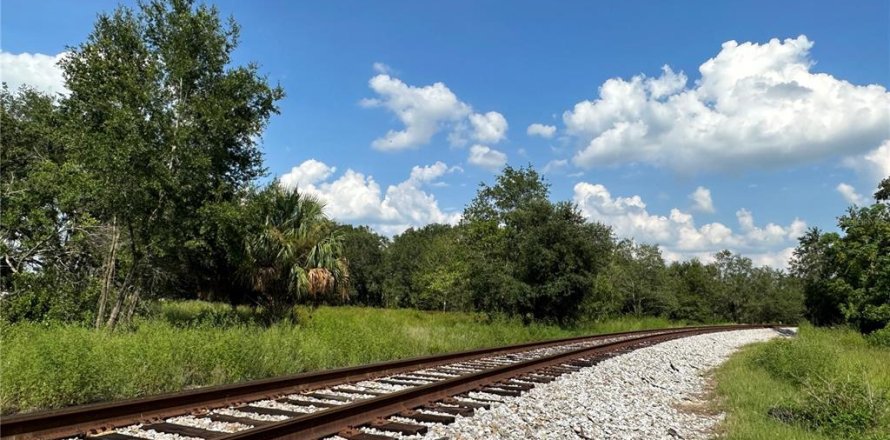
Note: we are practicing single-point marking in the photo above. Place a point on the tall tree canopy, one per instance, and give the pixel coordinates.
(530, 256)
(846, 277)
(165, 126)
(149, 152)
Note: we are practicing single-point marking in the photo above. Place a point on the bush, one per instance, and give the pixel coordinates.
(184, 314)
(841, 408)
(880, 338)
(829, 383)
(796, 360)
(43, 298)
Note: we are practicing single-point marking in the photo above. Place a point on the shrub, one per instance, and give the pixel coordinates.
(184, 314)
(43, 298)
(880, 338)
(841, 408)
(795, 360)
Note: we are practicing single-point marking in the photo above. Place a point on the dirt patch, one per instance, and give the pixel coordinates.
(705, 405)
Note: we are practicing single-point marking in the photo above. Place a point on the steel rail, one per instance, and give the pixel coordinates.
(82, 419)
(334, 420)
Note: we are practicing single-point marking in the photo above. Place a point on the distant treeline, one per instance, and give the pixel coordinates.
(141, 183)
(516, 252)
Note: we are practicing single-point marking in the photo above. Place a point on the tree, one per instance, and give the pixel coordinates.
(813, 263)
(695, 285)
(47, 242)
(863, 263)
(736, 294)
(638, 275)
(846, 277)
(528, 255)
(364, 252)
(426, 268)
(295, 254)
(883, 192)
(162, 126)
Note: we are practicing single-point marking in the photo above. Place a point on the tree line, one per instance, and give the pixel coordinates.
(143, 182)
(515, 252)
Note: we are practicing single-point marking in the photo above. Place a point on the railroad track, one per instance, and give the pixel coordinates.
(370, 402)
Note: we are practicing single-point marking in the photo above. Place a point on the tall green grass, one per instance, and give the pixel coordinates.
(822, 384)
(190, 344)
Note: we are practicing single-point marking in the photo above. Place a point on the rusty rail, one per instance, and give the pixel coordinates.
(334, 420)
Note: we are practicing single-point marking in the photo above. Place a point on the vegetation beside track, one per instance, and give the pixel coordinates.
(823, 384)
(191, 343)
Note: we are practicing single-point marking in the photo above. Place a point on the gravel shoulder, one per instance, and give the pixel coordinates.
(644, 394)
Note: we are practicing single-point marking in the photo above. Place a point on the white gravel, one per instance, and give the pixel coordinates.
(637, 395)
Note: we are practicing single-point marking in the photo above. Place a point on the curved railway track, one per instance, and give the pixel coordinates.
(366, 402)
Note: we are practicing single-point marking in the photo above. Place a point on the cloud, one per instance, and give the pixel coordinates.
(545, 131)
(307, 173)
(382, 68)
(487, 158)
(421, 109)
(874, 165)
(555, 166)
(850, 194)
(701, 199)
(677, 232)
(490, 127)
(357, 198)
(36, 70)
(755, 105)
(426, 110)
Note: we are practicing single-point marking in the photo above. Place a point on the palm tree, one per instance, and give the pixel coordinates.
(296, 252)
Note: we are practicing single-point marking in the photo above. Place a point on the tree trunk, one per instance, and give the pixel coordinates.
(131, 305)
(109, 272)
(121, 295)
(115, 312)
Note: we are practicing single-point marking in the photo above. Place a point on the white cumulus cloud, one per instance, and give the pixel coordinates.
(36, 70)
(356, 198)
(874, 165)
(701, 199)
(487, 158)
(490, 127)
(755, 105)
(545, 131)
(307, 173)
(426, 110)
(677, 232)
(850, 195)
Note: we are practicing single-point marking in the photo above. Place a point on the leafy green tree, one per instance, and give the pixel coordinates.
(846, 277)
(364, 251)
(529, 256)
(695, 285)
(864, 264)
(47, 242)
(813, 264)
(883, 192)
(295, 254)
(778, 297)
(736, 294)
(638, 275)
(163, 126)
(557, 254)
(425, 268)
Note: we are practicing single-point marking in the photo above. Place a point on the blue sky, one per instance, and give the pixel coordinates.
(782, 129)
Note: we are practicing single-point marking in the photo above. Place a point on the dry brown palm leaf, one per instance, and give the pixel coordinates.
(321, 281)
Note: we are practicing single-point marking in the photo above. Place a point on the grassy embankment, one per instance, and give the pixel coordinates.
(190, 344)
(823, 384)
